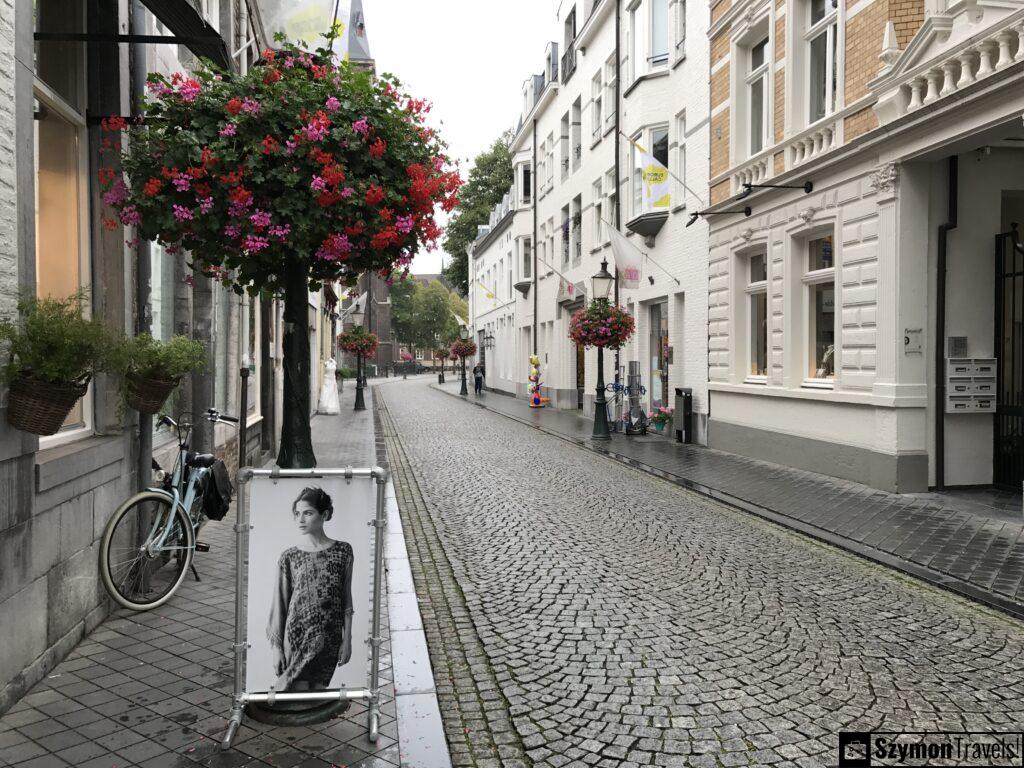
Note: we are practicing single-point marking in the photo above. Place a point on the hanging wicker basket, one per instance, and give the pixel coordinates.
(41, 407)
(148, 395)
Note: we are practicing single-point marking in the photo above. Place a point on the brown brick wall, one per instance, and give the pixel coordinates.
(720, 142)
(780, 162)
(720, 86)
(719, 10)
(859, 123)
(907, 16)
(721, 191)
(719, 47)
(864, 34)
(780, 104)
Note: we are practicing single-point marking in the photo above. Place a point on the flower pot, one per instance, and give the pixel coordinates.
(40, 407)
(660, 426)
(148, 395)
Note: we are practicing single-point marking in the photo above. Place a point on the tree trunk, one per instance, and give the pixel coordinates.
(296, 441)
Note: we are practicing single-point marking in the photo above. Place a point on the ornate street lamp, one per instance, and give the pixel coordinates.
(357, 316)
(601, 285)
(464, 335)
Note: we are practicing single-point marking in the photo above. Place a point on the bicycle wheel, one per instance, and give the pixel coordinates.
(141, 567)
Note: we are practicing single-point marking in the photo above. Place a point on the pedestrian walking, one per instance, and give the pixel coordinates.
(478, 378)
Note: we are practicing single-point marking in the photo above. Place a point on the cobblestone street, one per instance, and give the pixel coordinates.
(580, 612)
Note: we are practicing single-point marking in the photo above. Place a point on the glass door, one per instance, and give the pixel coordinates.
(658, 351)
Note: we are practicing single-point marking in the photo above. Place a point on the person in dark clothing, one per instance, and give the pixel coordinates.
(478, 378)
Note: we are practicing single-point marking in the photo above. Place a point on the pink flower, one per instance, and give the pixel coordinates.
(189, 90)
(260, 219)
(404, 224)
(116, 194)
(181, 213)
(255, 244)
(130, 215)
(361, 126)
(232, 230)
(182, 183)
(333, 104)
(290, 146)
(228, 129)
(251, 106)
(157, 88)
(318, 184)
(289, 62)
(281, 231)
(205, 205)
(347, 192)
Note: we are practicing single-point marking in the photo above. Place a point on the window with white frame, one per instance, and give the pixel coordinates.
(610, 81)
(659, 25)
(822, 77)
(526, 260)
(647, 33)
(757, 309)
(679, 28)
(596, 105)
(633, 32)
(598, 213)
(680, 160)
(551, 159)
(757, 87)
(525, 184)
(820, 290)
(655, 140)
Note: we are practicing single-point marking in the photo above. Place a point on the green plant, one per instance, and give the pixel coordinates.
(52, 341)
(347, 373)
(150, 358)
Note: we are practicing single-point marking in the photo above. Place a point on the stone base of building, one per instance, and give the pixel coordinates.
(899, 473)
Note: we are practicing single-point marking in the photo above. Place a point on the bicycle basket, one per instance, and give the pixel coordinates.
(217, 492)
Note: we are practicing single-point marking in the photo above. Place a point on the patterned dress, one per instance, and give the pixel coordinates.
(307, 618)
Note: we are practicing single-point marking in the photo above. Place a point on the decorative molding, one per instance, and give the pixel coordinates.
(747, 233)
(808, 213)
(884, 178)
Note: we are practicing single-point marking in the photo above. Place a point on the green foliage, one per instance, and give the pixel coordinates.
(489, 180)
(423, 317)
(145, 356)
(403, 310)
(51, 340)
(346, 373)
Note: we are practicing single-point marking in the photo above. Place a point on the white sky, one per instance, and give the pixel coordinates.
(470, 58)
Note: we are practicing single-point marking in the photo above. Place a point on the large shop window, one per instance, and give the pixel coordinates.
(820, 280)
(757, 291)
(757, 95)
(823, 66)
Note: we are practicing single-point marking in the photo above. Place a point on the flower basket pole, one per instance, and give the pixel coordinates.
(300, 172)
(601, 284)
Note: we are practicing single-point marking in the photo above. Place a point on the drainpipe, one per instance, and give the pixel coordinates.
(536, 245)
(940, 327)
(618, 189)
(143, 263)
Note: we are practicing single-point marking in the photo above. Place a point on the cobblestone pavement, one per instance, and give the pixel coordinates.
(153, 689)
(626, 621)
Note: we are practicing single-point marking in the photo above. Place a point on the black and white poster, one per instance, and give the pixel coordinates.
(310, 583)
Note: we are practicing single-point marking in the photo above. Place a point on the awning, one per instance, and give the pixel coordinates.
(183, 20)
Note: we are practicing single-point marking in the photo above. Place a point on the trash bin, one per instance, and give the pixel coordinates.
(682, 419)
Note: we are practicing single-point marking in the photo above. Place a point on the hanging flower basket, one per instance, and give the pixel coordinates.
(147, 395)
(40, 407)
(464, 349)
(601, 325)
(359, 342)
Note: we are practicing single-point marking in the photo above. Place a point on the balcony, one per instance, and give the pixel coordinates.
(568, 63)
(968, 44)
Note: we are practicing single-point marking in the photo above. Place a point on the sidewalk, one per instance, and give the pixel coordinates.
(952, 542)
(154, 689)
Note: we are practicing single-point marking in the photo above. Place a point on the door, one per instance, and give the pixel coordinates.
(658, 346)
(581, 385)
(1008, 471)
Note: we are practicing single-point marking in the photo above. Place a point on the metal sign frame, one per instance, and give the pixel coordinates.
(241, 645)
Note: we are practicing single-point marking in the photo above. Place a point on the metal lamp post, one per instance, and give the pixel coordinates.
(357, 318)
(464, 335)
(601, 285)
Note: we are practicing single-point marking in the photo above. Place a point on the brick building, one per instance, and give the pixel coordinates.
(868, 328)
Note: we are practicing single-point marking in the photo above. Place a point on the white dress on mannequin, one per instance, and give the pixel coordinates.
(329, 402)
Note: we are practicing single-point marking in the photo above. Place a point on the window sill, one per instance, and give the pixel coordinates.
(664, 72)
(679, 60)
(598, 249)
(818, 384)
(678, 208)
(595, 139)
(761, 381)
(62, 463)
(608, 129)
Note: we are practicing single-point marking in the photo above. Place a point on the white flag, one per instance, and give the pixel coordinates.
(657, 189)
(628, 258)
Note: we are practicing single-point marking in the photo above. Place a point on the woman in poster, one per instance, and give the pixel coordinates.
(310, 628)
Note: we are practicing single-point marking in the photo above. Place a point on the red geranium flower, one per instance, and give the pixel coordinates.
(234, 106)
(374, 195)
(152, 187)
(271, 76)
(378, 148)
(105, 175)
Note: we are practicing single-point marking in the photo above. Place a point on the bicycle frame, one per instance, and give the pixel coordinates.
(184, 501)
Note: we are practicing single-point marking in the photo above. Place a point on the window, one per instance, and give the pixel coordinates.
(596, 118)
(527, 258)
(657, 140)
(610, 85)
(610, 188)
(566, 234)
(598, 213)
(419, 354)
(757, 96)
(659, 33)
(680, 29)
(525, 184)
(632, 45)
(821, 310)
(757, 290)
(680, 163)
(648, 31)
(823, 74)
(222, 300)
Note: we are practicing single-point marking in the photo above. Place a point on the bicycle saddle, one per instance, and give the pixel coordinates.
(202, 460)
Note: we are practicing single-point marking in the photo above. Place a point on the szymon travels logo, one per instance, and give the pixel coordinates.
(863, 749)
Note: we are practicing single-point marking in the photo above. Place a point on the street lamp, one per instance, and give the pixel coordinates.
(357, 315)
(601, 285)
(464, 335)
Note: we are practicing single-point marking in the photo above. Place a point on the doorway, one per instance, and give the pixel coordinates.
(659, 353)
(1008, 469)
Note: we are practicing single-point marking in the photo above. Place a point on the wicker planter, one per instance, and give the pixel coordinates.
(148, 395)
(40, 407)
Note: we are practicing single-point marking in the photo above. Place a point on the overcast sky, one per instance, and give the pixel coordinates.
(470, 58)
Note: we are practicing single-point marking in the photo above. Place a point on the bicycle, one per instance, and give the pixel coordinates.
(149, 542)
(619, 418)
